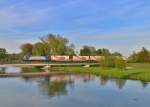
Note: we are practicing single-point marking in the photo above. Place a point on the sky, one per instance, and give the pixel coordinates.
(119, 25)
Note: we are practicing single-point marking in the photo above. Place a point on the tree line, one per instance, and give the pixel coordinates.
(52, 44)
(57, 45)
(141, 56)
(49, 45)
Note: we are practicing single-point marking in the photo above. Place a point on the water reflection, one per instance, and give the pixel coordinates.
(3, 69)
(19, 69)
(103, 80)
(144, 84)
(66, 79)
(75, 90)
(10, 69)
(120, 83)
(57, 85)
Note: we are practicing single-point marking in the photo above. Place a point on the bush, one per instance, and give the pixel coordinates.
(120, 63)
(142, 56)
(112, 61)
(108, 61)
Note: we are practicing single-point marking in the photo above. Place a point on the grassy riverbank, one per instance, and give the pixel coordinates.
(135, 71)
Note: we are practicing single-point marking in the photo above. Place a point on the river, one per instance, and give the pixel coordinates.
(72, 90)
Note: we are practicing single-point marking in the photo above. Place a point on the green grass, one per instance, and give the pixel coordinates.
(2, 72)
(30, 70)
(136, 71)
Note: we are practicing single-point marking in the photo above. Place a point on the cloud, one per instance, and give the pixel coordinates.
(125, 39)
(117, 24)
(11, 17)
(13, 45)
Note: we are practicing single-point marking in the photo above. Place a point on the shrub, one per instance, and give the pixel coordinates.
(112, 61)
(120, 63)
(108, 61)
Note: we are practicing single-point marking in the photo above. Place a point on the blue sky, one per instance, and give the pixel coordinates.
(120, 25)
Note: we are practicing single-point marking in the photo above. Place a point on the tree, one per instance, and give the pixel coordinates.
(3, 53)
(113, 61)
(70, 50)
(13, 58)
(53, 88)
(55, 44)
(108, 61)
(87, 51)
(99, 52)
(116, 54)
(27, 49)
(133, 57)
(39, 49)
(103, 52)
(120, 63)
(144, 55)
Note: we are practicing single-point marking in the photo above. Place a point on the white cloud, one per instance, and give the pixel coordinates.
(11, 17)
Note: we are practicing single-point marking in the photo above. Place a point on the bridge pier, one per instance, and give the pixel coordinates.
(87, 65)
(47, 68)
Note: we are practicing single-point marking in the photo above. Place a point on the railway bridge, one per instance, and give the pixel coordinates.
(48, 64)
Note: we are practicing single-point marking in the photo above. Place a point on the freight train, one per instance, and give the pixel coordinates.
(60, 58)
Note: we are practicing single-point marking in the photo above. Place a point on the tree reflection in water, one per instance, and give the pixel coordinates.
(3, 69)
(54, 87)
(119, 82)
(57, 85)
(144, 84)
(60, 84)
(103, 80)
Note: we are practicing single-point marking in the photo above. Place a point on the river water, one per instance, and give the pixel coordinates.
(74, 90)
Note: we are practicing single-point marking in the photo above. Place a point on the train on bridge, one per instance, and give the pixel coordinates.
(61, 58)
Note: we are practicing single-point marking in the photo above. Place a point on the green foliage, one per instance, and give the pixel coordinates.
(50, 45)
(113, 61)
(133, 57)
(120, 63)
(70, 50)
(9, 58)
(87, 51)
(3, 53)
(108, 61)
(39, 49)
(139, 71)
(55, 44)
(142, 56)
(103, 52)
(26, 49)
(12, 58)
(30, 69)
(90, 51)
(116, 54)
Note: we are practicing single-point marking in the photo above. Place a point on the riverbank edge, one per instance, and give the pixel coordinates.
(114, 73)
(36, 74)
